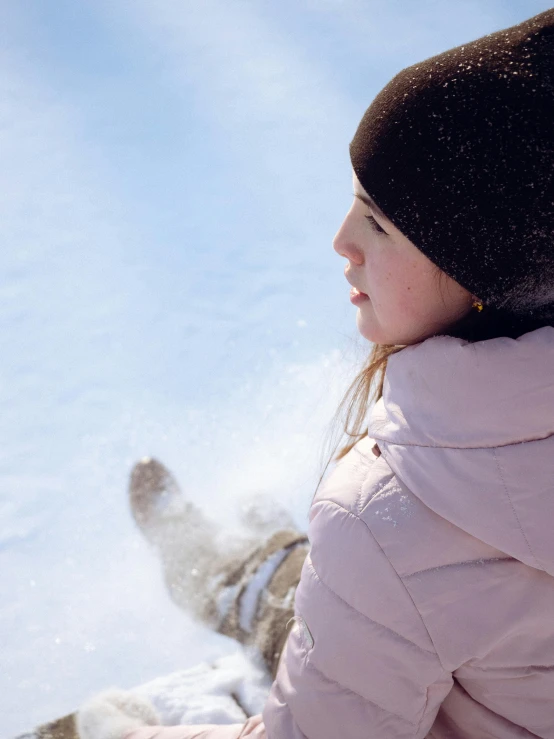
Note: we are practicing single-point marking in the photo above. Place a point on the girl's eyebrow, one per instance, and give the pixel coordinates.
(366, 200)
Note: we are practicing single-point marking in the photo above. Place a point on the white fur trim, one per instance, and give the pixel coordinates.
(113, 714)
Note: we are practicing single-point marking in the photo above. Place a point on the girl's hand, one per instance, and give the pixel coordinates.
(252, 729)
(114, 714)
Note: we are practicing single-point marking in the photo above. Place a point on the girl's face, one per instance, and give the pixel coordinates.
(394, 285)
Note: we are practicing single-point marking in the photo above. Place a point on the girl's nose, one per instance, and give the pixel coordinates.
(345, 246)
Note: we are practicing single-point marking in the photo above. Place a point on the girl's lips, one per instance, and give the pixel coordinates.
(356, 297)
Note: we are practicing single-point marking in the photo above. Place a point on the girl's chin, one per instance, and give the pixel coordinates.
(370, 329)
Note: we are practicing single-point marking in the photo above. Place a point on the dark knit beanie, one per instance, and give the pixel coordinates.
(458, 152)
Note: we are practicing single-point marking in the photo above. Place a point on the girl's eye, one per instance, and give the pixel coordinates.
(375, 226)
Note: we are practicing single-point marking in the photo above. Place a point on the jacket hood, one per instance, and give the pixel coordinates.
(469, 428)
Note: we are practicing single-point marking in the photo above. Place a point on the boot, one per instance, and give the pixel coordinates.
(243, 588)
(184, 538)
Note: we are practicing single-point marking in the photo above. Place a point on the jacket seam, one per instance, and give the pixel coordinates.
(385, 455)
(424, 710)
(283, 702)
(479, 668)
(309, 664)
(447, 446)
(393, 568)
(360, 504)
(481, 560)
(363, 615)
(497, 461)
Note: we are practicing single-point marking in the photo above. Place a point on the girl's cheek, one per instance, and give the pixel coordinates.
(413, 303)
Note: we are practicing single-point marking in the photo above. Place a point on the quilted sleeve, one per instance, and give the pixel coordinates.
(359, 662)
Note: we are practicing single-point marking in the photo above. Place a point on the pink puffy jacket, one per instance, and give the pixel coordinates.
(426, 606)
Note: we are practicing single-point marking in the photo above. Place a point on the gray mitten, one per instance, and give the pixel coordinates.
(115, 713)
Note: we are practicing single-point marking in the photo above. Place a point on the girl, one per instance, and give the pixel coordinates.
(424, 608)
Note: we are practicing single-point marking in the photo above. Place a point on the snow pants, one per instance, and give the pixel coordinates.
(259, 595)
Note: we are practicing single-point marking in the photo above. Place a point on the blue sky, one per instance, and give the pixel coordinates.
(172, 175)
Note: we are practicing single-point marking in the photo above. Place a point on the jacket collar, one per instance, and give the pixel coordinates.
(446, 392)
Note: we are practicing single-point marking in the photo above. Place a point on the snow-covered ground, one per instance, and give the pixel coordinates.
(171, 177)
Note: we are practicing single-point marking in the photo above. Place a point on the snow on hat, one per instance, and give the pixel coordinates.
(458, 152)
